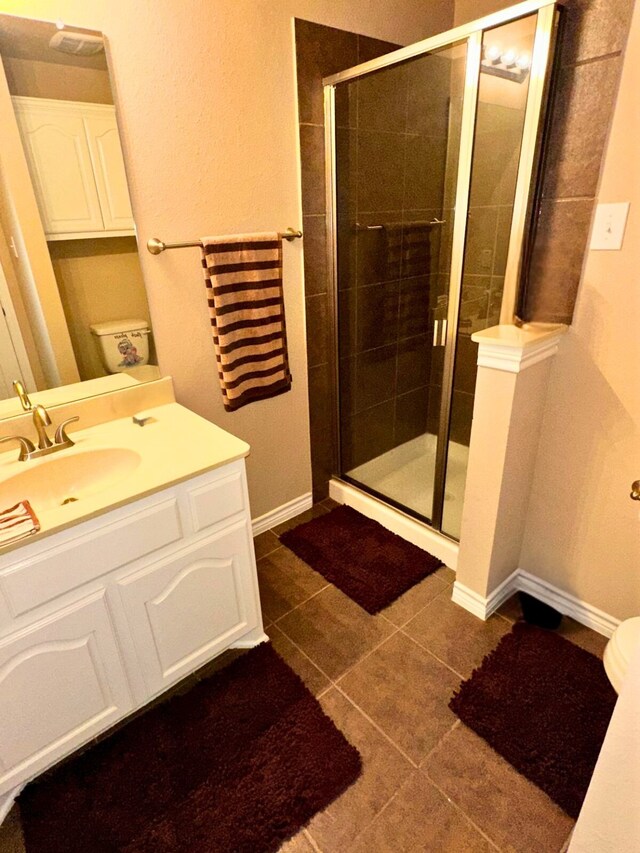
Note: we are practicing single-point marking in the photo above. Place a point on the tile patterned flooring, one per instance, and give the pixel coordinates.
(429, 783)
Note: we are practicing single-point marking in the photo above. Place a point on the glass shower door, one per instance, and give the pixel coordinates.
(397, 140)
(433, 159)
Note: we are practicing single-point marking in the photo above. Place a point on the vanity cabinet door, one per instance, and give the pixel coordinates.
(61, 683)
(188, 607)
(108, 167)
(55, 143)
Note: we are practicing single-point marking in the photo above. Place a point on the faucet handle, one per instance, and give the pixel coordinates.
(61, 436)
(26, 446)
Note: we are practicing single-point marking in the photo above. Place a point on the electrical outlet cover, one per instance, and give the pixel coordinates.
(608, 226)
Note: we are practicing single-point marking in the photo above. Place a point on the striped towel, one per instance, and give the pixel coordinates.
(17, 522)
(243, 275)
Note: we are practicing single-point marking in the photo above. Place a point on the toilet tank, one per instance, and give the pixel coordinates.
(123, 344)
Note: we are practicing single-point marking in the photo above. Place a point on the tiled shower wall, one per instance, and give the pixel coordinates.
(320, 51)
(391, 174)
(595, 35)
(591, 62)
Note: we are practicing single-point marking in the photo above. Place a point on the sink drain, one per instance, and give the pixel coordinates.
(68, 501)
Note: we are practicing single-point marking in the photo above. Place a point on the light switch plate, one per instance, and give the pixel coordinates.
(608, 226)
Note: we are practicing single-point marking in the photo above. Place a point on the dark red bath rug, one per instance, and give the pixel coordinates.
(361, 557)
(237, 765)
(544, 705)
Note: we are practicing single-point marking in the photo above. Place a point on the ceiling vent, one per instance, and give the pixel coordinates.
(77, 44)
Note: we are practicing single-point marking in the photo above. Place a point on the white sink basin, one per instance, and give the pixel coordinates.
(66, 477)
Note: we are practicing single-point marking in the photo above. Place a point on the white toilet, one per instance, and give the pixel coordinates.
(123, 345)
(624, 640)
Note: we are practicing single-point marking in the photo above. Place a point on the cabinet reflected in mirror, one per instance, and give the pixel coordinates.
(75, 319)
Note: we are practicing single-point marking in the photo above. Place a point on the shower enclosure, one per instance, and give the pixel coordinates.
(433, 153)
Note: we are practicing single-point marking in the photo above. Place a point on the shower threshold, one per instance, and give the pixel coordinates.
(395, 475)
(405, 476)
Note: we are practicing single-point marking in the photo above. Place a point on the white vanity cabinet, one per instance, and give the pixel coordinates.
(97, 619)
(62, 682)
(77, 168)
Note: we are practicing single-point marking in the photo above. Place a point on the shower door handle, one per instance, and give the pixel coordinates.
(439, 333)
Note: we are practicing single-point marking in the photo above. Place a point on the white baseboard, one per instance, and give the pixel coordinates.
(568, 604)
(7, 800)
(396, 521)
(470, 600)
(282, 513)
(521, 581)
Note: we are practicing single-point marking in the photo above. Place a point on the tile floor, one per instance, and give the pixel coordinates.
(429, 784)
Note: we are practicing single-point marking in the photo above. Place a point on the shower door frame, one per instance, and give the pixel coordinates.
(470, 34)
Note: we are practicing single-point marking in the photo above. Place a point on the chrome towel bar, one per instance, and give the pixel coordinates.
(156, 246)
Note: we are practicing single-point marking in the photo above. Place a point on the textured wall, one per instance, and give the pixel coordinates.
(582, 532)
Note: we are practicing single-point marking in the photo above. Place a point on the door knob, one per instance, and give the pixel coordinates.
(635, 491)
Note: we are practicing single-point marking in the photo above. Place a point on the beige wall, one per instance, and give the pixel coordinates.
(99, 280)
(583, 531)
(207, 104)
(471, 10)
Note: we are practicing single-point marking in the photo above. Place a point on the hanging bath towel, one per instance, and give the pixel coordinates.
(243, 275)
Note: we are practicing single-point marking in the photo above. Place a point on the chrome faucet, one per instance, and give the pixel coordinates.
(41, 420)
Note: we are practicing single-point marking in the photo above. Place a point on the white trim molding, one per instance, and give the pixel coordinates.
(396, 521)
(521, 581)
(514, 348)
(7, 800)
(282, 513)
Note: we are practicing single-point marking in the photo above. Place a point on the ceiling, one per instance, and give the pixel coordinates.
(24, 38)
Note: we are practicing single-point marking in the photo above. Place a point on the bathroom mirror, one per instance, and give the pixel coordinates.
(75, 319)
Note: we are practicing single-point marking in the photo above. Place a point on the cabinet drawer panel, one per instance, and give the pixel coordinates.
(64, 567)
(61, 683)
(183, 610)
(214, 502)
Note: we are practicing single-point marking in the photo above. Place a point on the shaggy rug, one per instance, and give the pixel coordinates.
(239, 763)
(361, 557)
(543, 704)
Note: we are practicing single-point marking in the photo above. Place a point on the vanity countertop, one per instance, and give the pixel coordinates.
(175, 445)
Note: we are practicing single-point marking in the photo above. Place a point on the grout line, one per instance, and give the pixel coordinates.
(367, 654)
(311, 839)
(376, 726)
(402, 625)
(434, 656)
(461, 811)
(275, 621)
(590, 60)
(333, 684)
(383, 809)
(449, 731)
(302, 651)
(269, 553)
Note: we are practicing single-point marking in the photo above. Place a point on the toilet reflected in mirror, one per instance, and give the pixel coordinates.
(123, 346)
